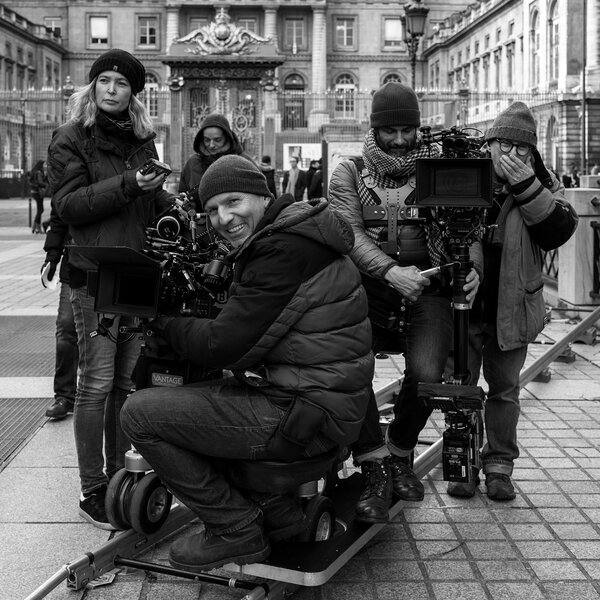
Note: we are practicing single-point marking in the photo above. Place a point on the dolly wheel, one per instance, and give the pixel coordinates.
(150, 504)
(117, 498)
(320, 517)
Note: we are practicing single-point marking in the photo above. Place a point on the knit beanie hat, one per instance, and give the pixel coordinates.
(124, 63)
(514, 123)
(395, 104)
(232, 173)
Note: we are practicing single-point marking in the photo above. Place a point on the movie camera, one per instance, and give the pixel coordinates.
(182, 271)
(457, 188)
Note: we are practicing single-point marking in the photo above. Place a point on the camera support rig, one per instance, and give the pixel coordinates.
(457, 189)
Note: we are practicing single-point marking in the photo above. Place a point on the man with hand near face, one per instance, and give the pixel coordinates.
(529, 215)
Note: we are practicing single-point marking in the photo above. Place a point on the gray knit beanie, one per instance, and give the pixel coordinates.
(124, 63)
(395, 104)
(232, 173)
(515, 123)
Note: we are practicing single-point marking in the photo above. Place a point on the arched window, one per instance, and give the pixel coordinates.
(150, 98)
(345, 91)
(293, 115)
(553, 41)
(391, 77)
(534, 46)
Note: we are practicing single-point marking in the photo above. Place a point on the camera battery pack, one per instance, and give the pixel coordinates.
(456, 457)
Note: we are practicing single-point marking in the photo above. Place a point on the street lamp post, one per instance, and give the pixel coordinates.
(413, 28)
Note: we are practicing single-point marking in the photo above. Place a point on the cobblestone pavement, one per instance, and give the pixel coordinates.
(543, 545)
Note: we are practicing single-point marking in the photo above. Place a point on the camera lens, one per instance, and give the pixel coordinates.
(168, 227)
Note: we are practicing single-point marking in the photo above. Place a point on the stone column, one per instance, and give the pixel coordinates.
(318, 114)
(172, 25)
(271, 25)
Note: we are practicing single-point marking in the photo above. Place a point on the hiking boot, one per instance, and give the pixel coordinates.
(282, 516)
(60, 409)
(499, 487)
(464, 489)
(376, 499)
(407, 485)
(206, 550)
(91, 508)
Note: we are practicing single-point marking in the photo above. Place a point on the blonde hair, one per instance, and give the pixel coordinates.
(82, 108)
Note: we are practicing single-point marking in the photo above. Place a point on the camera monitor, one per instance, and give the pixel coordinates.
(454, 182)
(127, 282)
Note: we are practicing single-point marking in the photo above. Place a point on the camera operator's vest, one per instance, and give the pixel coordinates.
(391, 219)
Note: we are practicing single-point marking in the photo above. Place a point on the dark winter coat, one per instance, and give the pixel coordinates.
(296, 319)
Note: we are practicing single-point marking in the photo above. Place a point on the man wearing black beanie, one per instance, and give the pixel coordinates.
(407, 310)
(294, 331)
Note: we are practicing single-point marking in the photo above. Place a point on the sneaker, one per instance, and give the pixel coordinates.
(375, 500)
(60, 409)
(499, 487)
(206, 550)
(407, 485)
(464, 489)
(91, 508)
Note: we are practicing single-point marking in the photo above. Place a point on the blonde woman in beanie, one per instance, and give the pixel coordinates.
(408, 311)
(295, 333)
(98, 191)
(530, 215)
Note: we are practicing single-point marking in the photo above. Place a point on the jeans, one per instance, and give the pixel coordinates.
(426, 345)
(183, 432)
(105, 369)
(501, 370)
(65, 366)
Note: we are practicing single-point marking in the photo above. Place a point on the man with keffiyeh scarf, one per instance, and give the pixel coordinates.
(366, 191)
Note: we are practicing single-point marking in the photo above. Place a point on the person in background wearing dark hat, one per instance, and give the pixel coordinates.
(269, 172)
(97, 189)
(529, 215)
(214, 139)
(295, 333)
(393, 259)
(315, 186)
(294, 180)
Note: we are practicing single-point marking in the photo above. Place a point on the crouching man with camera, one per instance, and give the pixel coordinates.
(294, 332)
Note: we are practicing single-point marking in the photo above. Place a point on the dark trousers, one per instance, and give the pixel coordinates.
(67, 356)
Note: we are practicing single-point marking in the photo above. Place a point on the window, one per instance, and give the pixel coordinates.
(534, 44)
(147, 31)
(53, 25)
(345, 90)
(150, 94)
(48, 74)
(392, 32)
(293, 109)
(345, 33)
(498, 35)
(247, 23)
(198, 23)
(98, 27)
(8, 76)
(486, 42)
(553, 41)
(295, 34)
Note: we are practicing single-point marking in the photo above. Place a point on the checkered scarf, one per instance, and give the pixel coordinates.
(393, 172)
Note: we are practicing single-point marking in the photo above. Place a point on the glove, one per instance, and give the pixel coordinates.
(47, 272)
(154, 336)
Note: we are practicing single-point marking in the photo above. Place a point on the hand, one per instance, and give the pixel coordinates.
(154, 336)
(150, 181)
(51, 272)
(471, 286)
(408, 281)
(514, 169)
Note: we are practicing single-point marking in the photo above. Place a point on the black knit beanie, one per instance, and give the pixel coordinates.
(515, 123)
(232, 173)
(395, 104)
(124, 63)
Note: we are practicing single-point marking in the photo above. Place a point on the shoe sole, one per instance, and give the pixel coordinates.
(244, 559)
(371, 520)
(98, 524)
(407, 499)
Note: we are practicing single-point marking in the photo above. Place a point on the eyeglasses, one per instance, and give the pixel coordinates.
(506, 146)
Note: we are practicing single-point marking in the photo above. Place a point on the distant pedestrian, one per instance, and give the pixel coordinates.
(315, 189)
(269, 172)
(294, 180)
(38, 183)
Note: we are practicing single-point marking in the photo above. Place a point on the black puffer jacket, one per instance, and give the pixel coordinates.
(92, 178)
(296, 318)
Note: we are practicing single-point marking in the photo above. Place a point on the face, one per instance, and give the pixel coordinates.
(113, 92)
(215, 140)
(396, 140)
(293, 163)
(504, 146)
(235, 215)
